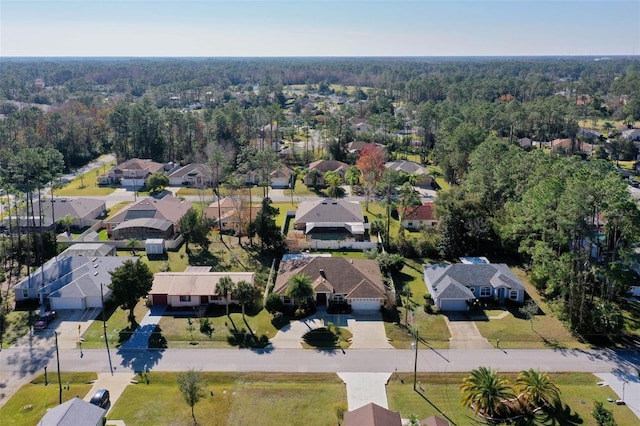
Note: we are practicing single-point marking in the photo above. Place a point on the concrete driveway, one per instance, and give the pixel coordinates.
(115, 383)
(367, 330)
(363, 388)
(464, 333)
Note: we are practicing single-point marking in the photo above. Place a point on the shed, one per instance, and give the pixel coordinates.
(155, 246)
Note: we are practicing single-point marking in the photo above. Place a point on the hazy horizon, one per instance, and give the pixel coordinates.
(318, 28)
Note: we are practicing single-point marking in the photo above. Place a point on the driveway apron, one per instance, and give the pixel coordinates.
(363, 388)
(464, 333)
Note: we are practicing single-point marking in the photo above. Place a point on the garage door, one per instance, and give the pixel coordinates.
(59, 303)
(159, 299)
(365, 304)
(453, 305)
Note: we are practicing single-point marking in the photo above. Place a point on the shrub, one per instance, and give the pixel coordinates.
(273, 303)
(205, 327)
(603, 416)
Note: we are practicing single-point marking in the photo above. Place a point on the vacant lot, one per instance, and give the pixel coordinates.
(236, 399)
(441, 397)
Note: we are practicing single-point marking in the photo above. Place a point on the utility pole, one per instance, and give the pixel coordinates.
(415, 362)
(104, 327)
(58, 362)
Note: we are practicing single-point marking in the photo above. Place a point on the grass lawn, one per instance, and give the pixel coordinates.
(16, 325)
(88, 185)
(238, 399)
(441, 397)
(514, 331)
(631, 313)
(118, 327)
(284, 206)
(32, 401)
(228, 331)
(437, 173)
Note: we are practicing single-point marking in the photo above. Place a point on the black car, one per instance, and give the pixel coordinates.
(47, 316)
(101, 398)
(40, 325)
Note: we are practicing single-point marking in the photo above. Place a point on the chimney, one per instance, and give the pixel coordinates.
(322, 273)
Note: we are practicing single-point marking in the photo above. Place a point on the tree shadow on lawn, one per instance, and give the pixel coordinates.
(203, 258)
(560, 415)
(125, 334)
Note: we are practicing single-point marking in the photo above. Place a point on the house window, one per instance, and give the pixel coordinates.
(212, 298)
(485, 291)
(338, 298)
(286, 300)
(185, 298)
(513, 295)
(410, 224)
(25, 293)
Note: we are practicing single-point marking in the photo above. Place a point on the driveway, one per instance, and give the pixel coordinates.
(140, 338)
(464, 333)
(363, 388)
(367, 330)
(115, 383)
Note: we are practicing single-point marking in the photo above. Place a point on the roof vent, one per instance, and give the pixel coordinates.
(95, 273)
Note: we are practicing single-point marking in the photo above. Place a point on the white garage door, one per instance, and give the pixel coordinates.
(59, 303)
(453, 305)
(365, 304)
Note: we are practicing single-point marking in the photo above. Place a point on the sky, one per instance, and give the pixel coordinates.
(266, 28)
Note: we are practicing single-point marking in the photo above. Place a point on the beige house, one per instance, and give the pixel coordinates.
(189, 289)
(130, 173)
(322, 167)
(168, 208)
(230, 215)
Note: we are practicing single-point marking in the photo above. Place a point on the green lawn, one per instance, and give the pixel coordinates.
(32, 401)
(118, 327)
(87, 185)
(236, 399)
(441, 397)
(284, 206)
(436, 171)
(228, 331)
(301, 190)
(514, 331)
(115, 209)
(16, 325)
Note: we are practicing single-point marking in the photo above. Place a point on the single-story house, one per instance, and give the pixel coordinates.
(132, 172)
(281, 178)
(230, 215)
(188, 289)
(454, 286)
(633, 134)
(372, 415)
(357, 282)
(330, 218)
(420, 217)
(360, 125)
(356, 146)
(83, 211)
(570, 146)
(89, 250)
(72, 282)
(411, 168)
(168, 208)
(322, 167)
(196, 175)
(74, 412)
(589, 133)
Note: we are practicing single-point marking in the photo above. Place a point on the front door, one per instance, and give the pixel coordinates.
(321, 299)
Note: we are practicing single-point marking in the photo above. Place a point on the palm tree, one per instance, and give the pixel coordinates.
(537, 389)
(225, 287)
(352, 176)
(299, 287)
(333, 180)
(484, 391)
(67, 221)
(313, 177)
(244, 292)
(131, 244)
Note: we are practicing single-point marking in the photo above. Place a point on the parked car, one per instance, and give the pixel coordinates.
(47, 316)
(40, 325)
(100, 398)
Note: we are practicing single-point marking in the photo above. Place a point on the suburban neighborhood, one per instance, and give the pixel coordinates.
(273, 252)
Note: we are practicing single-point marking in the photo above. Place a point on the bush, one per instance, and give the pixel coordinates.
(205, 327)
(273, 303)
(603, 416)
(339, 308)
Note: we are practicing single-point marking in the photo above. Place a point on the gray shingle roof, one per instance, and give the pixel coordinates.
(74, 412)
(329, 210)
(450, 281)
